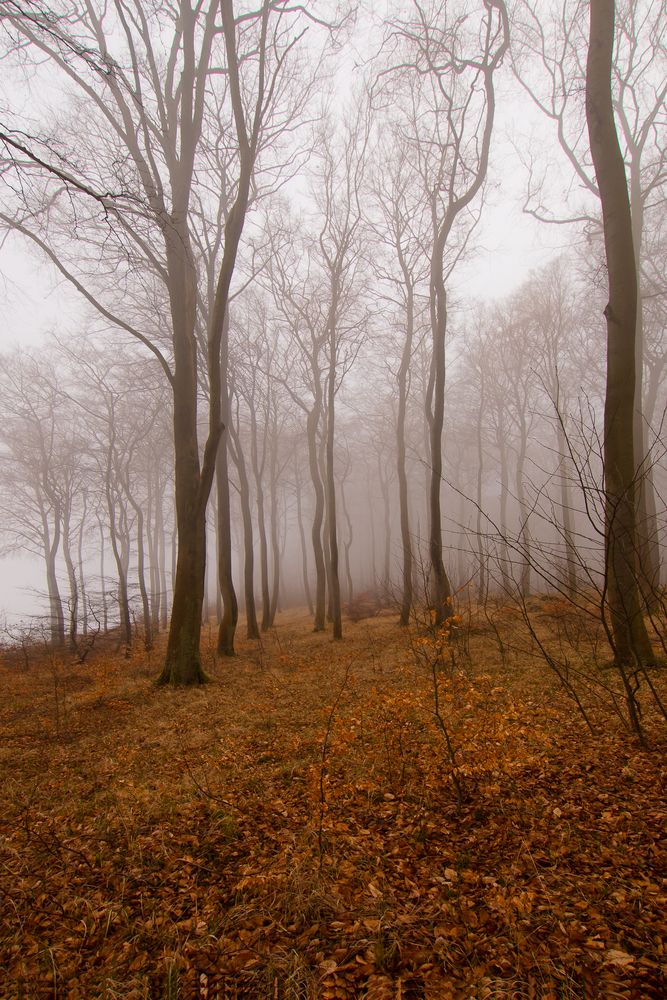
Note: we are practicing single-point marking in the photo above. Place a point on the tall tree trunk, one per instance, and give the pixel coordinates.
(162, 558)
(56, 614)
(371, 519)
(347, 544)
(230, 607)
(82, 578)
(318, 517)
(72, 580)
(566, 511)
(302, 538)
(230, 610)
(182, 664)
(118, 546)
(103, 584)
(154, 573)
(504, 491)
(401, 463)
(383, 479)
(648, 554)
(252, 628)
(441, 592)
(524, 527)
(258, 471)
(331, 492)
(630, 638)
(141, 572)
(273, 507)
(482, 584)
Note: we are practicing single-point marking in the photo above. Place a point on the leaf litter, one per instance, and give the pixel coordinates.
(292, 830)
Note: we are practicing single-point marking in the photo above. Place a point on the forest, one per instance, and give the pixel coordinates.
(343, 668)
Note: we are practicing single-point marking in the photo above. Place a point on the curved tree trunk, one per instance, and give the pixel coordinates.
(630, 639)
(441, 592)
(56, 614)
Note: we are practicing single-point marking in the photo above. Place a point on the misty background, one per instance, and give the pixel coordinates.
(366, 140)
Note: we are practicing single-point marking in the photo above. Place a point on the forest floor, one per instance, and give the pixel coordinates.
(296, 828)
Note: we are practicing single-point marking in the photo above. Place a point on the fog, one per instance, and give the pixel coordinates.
(305, 308)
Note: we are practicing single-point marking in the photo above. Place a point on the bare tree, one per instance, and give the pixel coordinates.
(631, 642)
(450, 61)
(556, 40)
(153, 120)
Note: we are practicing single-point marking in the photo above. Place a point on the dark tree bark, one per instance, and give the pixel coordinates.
(630, 638)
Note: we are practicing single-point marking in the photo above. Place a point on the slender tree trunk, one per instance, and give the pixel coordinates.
(103, 583)
(258, 471)
(648, 555)
(401, 464)
(566, 512)
(331, 493)
(141, 578)
(82, 579)
(56, 614)
(117, 548)
(383, 479)
(252, 628)
(482, 585)
(216, 543)
(230, 608)
(504, 491)
(631, 642)
(275, 544)
(302, 538)
(154, 573)
(524, 528)
(162, 559)
(441, 593)
(72, 580)
(371, 518)
(348, 544)
(318, 517)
